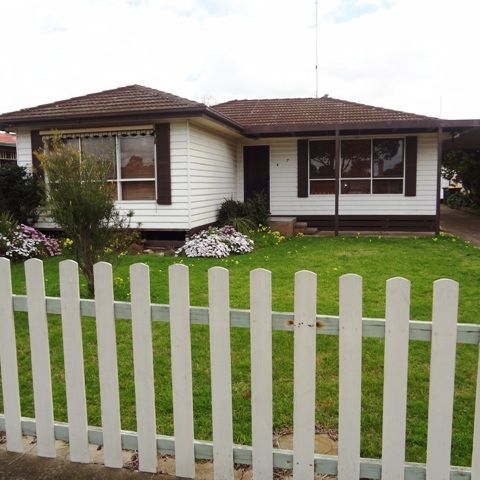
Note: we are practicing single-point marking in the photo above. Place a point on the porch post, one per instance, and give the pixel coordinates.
(439, 176)
(337, 180)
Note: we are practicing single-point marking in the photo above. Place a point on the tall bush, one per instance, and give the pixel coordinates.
(81, 201)
(464, 167)
(21, 193)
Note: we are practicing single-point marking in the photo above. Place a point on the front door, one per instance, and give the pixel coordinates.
(256, 171)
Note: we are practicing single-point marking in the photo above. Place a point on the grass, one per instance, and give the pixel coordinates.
(422, 260)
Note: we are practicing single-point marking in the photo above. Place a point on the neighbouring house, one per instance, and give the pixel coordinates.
(8, 152)
(334, 164)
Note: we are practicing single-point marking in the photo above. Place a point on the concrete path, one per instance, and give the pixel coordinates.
(14, 466)
(27, 466)
(462, 224)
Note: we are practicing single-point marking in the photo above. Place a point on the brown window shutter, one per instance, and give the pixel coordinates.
(411, 166)
(37, 145)
(164, 178)
(302, 168)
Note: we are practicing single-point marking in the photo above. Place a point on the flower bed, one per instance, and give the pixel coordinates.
(216, 243)
(27, 242)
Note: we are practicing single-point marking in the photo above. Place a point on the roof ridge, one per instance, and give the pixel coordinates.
(324, 98)
(60, 102)
(168, 94)
(103, 92)
(349, 102)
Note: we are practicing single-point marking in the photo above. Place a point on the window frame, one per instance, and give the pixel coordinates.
(371, 178)
(118, 163)
(310, 180)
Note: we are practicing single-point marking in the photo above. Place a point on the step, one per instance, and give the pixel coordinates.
(284, 225)
(300, 225)
(310, 231)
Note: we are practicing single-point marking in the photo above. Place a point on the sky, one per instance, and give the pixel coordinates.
(419, 56)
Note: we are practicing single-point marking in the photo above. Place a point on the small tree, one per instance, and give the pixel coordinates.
(21, 193)
(81, 201)
(464, 167)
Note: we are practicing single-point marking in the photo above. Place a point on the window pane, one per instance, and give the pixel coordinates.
(113, 185)
(72, 142)
(322, 187)
(138, 190)
(355, 186)
(388, 157)
(356, 158)
(103, 148)
(322, 159)
(137, 155)
(387, 186)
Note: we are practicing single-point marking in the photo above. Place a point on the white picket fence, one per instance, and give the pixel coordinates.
(397, 329)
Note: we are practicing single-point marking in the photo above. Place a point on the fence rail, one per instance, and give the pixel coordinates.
(350, 325)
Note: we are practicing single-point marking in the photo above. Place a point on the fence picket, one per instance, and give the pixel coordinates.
(8, 361)
(476, 429)
(40, 357)
(179, 297)
(443, 331)
(143, 367)
(261, 365)
(107, 365)
(221, 376)
(442, 379)
(397, 315)
(304, 375)
(73, 359)
(350, 376)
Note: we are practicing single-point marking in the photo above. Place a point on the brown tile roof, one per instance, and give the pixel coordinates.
(250, 117)
(8, 139)
(125, 100)
(295, 112)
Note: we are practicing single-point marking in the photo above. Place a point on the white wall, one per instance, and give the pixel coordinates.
(147, 213)
(24, 148)
(283, 185)
(207, 167)
(213, 172)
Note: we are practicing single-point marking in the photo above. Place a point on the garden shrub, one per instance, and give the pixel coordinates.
(257, 209)
(244, 216)
(216, 243)
(81, 202)
(458, 200)
(21, 193)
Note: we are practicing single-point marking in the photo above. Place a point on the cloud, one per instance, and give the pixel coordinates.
(401, 54)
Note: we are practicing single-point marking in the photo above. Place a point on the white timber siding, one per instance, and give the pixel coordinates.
(283, 185)
(213, 174)
(147, 213)
(24, 149)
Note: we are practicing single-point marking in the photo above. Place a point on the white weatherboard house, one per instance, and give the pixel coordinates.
(334, 164)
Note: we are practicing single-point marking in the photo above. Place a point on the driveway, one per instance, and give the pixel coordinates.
(462, 224)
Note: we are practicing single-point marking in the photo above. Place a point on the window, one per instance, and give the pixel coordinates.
(132, 158)
(388, 165)
(137, 164)
(322, 167)
(372, 166)
(367, 166)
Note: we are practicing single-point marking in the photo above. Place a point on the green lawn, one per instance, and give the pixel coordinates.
(422, 260)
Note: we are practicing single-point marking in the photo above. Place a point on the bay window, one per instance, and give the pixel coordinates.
(367, 166)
